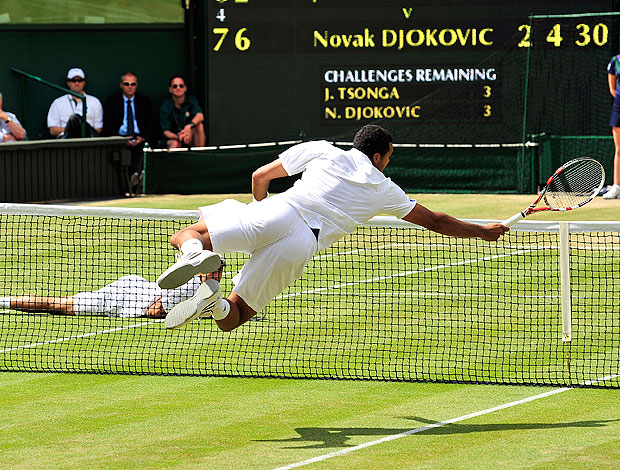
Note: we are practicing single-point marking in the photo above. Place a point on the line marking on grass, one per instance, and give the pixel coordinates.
(403, 274)
(428, 427)
(85, 335)
(284, 296)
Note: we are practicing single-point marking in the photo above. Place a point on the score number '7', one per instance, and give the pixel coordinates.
(242, 42)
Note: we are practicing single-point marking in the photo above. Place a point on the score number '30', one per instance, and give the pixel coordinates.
(599, 35)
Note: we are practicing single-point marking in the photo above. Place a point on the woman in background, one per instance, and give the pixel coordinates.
(613, 76)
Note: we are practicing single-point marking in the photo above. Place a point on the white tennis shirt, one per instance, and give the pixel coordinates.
(4, 127)
(62, 108)
(339, 189)
(131, 296)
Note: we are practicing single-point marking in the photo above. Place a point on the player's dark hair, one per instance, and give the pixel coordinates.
(175, 76)
(372, 139)
(129, 72)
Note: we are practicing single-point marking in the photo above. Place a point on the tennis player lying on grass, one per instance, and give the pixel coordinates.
(128, 297)
(338, 191)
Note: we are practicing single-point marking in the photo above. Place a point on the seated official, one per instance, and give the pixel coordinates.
(64, 118)
(130, 114)
(11, 129)
(181, 117)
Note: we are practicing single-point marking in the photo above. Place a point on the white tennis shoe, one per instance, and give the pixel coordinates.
(187, 266)
(206, 298)
(612, 193)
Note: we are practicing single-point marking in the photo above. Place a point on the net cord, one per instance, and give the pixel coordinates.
(378, 221)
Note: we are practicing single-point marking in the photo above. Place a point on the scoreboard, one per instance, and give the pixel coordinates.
(437, 71)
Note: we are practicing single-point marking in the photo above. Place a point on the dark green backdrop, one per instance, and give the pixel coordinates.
(153, 52)
(477, 170)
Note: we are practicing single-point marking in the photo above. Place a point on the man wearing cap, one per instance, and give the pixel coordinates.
(64, 118)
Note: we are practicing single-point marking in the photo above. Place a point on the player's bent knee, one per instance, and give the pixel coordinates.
(181, 236)
(174, 239)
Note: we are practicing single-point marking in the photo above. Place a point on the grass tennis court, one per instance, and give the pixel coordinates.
(67, 420)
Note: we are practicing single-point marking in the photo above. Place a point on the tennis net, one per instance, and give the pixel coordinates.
(389, 302)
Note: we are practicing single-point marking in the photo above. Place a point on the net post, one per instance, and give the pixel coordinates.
(565, 295)
(565, 282)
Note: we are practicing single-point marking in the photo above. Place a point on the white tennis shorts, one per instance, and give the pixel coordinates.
(128, 296)
(272, 232)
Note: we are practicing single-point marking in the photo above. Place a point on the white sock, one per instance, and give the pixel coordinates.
(5, 302)
(221, 311)
(193, 245)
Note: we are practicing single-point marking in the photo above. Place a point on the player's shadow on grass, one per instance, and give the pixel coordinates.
(338, 437)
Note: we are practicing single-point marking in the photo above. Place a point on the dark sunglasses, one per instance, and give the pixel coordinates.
(76, 80)
(178, 86)
(130, 83)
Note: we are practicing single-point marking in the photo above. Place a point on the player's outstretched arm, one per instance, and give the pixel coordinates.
(448, 225)
(37, 303)
(263, 176)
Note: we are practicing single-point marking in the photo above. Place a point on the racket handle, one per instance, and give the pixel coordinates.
(513, 220)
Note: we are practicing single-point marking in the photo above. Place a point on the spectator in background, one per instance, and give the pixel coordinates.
(64, 118)
(10, 127)
(130, 114)
(181, 117)
(613, 77)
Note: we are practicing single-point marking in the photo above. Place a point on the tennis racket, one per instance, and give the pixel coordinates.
(572, 185)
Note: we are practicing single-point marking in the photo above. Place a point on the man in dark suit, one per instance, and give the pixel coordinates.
(130, 114)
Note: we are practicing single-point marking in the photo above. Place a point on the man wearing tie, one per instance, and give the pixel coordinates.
(130, 114)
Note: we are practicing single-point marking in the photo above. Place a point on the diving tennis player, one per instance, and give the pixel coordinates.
(129, 296)
(338, 191)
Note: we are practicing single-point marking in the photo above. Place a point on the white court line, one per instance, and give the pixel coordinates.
(403, 274)
(448, 295)
(463, 295)
(85, 335)
(429, 246)
(428, 427)
(294, 294)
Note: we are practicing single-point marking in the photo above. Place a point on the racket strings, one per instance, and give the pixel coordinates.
(576, 184)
